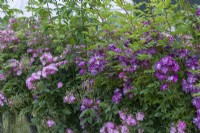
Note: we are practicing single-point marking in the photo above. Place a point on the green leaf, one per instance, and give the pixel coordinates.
(83, 113)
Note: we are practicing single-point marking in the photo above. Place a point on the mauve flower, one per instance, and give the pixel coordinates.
(122, 115)
(171, 38)
(82, 71)
(139, 116)
(60, 85)
(1, 103)
(131, 121)
(46, 58)
(12, 20)
(94, 72)
(69, 130)
(175, 67)
(87, 101)
(160, 76)
(111, 47)
(196, 102)
(172, 130)
(3, 99)
(31, 61)
(126, 42)
(49, 70)
(32, 79)
(117, 97)
(110, 125)
(181, 53)
(196, 121)
(2, 77)
(16, 66)
(19, 72)
(164, 69)
(147, 22)
(118, 50)
(102, 130)
(173, 78)
(181, 126)
(50, 123)
(81, 64)
(7, 38)
(35, 27)
(124, 129)
(198, 112)
(69, 99)
(96, 62)
(164, 86)
(185, 86)
(192, 79)
(121, 75)
(158, 66)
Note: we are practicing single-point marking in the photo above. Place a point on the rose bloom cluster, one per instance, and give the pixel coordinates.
(90, 104)
(166, 71)
(35, 53)
(70, 98)
(127, 120)
(110, 127)
(128, 59)
(181, 53)
(81, 64)
(179, 128)
(49, 69)
(8, 37)
(130, 63)
(117, 97)
(192, 78)
(16, 66)
(189, 85)
(35, 37)
(95, 64)
(118, 93)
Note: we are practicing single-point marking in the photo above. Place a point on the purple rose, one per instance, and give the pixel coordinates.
(60, 85)
(139, 116)
(50, 123)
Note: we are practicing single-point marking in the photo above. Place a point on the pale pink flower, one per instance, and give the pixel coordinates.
(60, 85)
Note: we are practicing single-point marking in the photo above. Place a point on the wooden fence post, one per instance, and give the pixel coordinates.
(32, 128)
(11, 122)
(1, 122)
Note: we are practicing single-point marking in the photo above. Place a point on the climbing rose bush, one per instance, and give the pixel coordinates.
(139, 73)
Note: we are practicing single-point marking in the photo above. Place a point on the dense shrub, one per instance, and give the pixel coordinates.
(92, 69)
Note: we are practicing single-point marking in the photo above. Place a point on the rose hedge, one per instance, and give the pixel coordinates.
(92, 69)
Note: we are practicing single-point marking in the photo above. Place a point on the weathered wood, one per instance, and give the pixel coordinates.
(32, 128)
(1, 123)
(11, 122)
